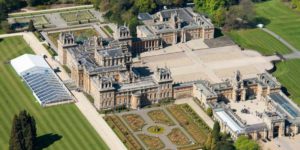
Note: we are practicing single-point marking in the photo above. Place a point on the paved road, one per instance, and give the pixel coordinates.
(296, 52)
(197, 109)
(86, 108)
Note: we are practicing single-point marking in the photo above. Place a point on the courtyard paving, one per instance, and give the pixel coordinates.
(282, 143)
(213, 64)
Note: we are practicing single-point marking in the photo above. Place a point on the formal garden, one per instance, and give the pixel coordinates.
(135, 121)
(78, 17)
(152, 142)
(39, 21)
(171, 127)
(123, 132)
(81, 35)
(160, 116)
(190, 121)
(177, 137)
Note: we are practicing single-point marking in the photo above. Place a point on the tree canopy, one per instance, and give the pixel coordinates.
(244, 143)
(23, 133)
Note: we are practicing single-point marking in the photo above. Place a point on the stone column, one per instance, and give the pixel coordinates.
(174, 38)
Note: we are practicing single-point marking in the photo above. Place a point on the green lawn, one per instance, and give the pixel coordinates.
(288, 73)
(258, 40)
(69, 129)
(283, 20)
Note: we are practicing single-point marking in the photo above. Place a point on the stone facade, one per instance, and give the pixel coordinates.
(175, 25)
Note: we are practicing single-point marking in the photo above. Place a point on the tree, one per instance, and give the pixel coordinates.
(224, 145)
(145, 5)
(3, 10)
(96, 4)
(33, 2)
(31, 26)
(132, 26)
(209, 112)
(6, 27)
(244, 143)
(23, 133)
(240, 16)
(216, 131)
(295, 4)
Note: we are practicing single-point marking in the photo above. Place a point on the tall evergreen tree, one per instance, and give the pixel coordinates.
(216, 131)
(3, 10)
(31, 26)
(23, 133)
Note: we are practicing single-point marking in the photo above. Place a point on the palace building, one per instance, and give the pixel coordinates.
(175, 25)
(104, 70)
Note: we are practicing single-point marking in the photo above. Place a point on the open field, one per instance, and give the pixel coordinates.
(77, 16)
(282, 20)
(80, 34)
(258, 40)
(59, 127)
(288, 73)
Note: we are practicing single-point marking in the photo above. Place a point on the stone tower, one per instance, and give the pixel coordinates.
(175, 20)
(123, 34)
(107, 93)
(239, 92)
(164, 79)
(64, 41)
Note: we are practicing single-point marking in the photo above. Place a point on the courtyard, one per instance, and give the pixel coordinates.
(167, 127)
(250, 111)
(213, 64)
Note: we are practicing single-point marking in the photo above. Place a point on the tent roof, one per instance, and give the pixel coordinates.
(27, 62)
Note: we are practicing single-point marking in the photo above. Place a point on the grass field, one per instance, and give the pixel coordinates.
(59, 127)
(288, 74)
(283, 20)
(258, 40)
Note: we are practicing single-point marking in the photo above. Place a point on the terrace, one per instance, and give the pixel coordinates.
(249, 111)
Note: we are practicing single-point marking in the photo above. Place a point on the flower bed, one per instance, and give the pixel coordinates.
(159, 116)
